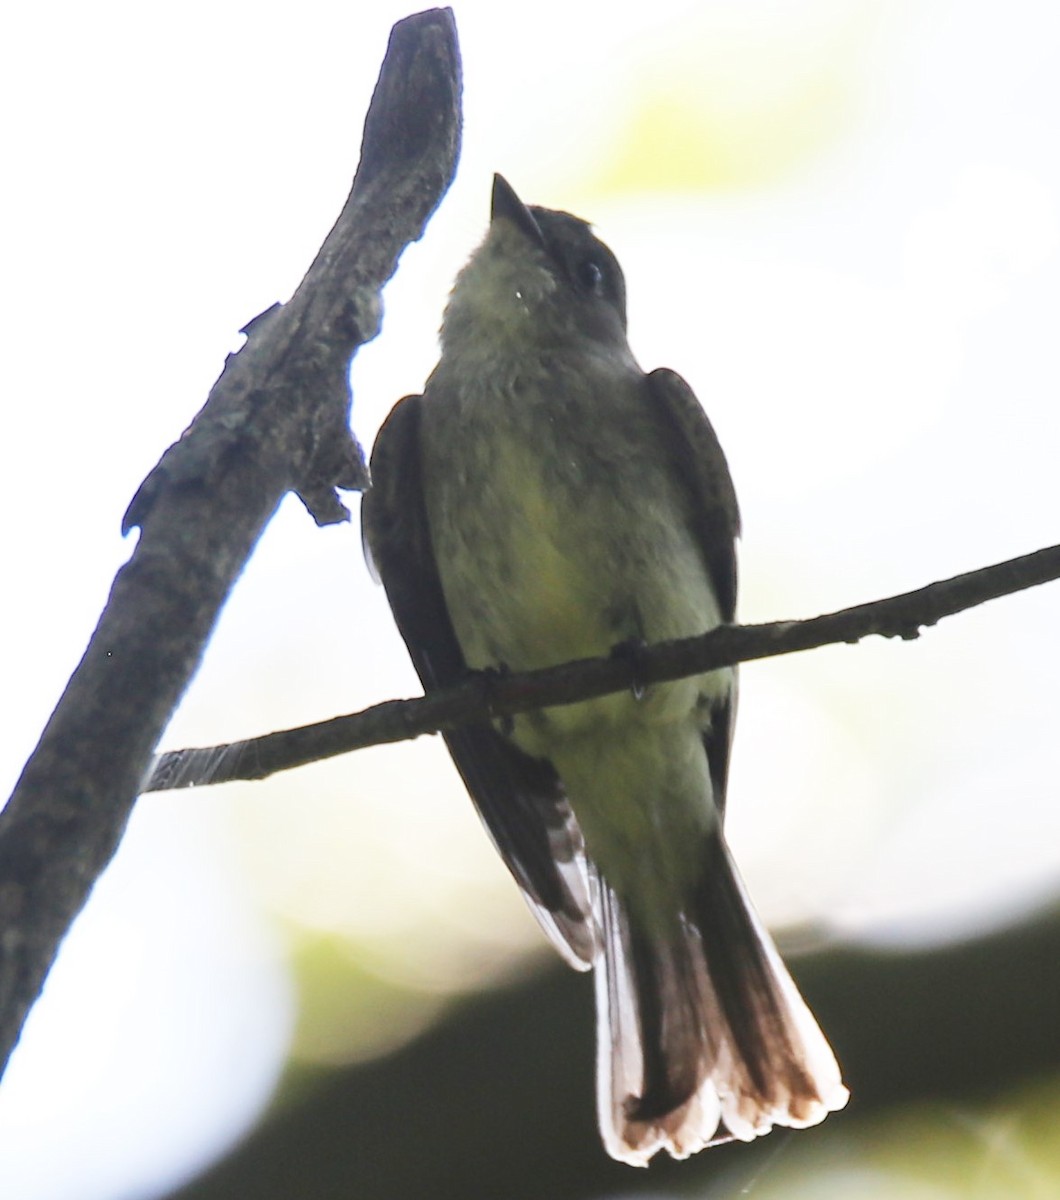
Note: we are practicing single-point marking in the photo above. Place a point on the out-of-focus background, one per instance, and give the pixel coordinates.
(840, 220)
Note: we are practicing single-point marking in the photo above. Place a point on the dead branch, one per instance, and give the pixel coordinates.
(277, 420)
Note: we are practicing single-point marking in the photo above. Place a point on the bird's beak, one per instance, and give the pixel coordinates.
(507, 205)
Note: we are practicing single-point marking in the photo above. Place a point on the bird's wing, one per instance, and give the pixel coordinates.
(700, 461)
(520, 799)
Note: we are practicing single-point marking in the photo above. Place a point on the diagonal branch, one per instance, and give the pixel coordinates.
(276, 420)
(482, 697)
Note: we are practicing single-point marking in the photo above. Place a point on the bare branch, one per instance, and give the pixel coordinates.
(482, 697)
(276, 420)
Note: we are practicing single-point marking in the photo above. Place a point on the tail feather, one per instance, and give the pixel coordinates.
(703, 1036)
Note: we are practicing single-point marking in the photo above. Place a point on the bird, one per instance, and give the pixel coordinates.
(543, 500)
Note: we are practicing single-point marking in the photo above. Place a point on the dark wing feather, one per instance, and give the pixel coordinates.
(520, 799)
(700, 461)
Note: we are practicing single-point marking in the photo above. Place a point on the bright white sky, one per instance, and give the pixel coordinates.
(839, 219)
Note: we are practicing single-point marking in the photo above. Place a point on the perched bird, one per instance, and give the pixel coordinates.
(546, 500)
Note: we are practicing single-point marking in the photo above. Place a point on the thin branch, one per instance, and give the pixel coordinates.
(482, 697)
(276, 420)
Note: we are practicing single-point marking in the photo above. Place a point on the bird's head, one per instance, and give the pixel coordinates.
(540, 277)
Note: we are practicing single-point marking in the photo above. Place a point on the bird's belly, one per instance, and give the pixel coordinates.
(541, 566)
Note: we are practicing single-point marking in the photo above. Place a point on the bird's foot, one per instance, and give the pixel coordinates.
(488, 678)
(632, 652)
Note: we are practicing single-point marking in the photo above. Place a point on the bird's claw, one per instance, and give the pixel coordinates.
(632, 652)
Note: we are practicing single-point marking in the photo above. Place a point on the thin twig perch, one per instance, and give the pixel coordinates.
(482, 697)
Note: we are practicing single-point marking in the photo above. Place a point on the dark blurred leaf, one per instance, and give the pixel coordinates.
(497, 1101)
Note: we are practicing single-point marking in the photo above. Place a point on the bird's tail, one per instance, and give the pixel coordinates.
(702, 1034)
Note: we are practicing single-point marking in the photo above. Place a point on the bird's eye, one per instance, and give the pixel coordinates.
(591, 276)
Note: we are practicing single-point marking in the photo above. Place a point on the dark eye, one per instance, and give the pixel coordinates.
(591, 276)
